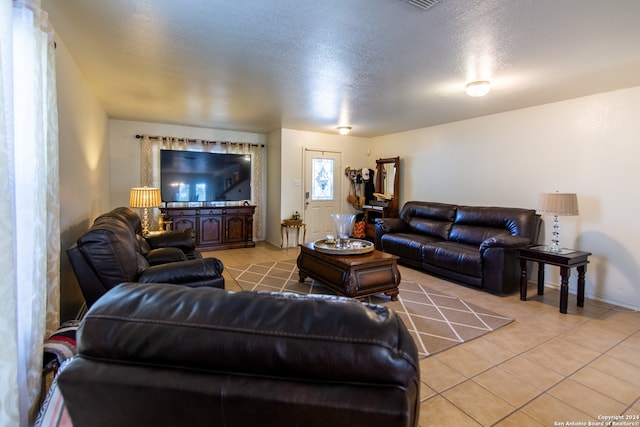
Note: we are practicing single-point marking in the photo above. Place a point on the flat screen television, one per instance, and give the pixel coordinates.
(194, 176)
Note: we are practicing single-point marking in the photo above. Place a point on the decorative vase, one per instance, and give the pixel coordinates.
(344, 223)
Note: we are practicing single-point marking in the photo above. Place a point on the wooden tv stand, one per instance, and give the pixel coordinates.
(216, 228)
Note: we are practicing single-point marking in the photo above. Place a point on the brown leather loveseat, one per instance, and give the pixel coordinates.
(162, 355)
(475, 245)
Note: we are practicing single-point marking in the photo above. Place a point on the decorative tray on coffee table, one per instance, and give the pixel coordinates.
(356, 246)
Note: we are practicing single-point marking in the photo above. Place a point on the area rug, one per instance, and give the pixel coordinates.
(53, 413)
(435, 320)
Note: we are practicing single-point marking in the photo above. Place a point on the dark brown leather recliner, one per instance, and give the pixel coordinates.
(161, 355)
(182, 240)
(111, 252)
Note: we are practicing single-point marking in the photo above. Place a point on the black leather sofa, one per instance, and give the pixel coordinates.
(113, 251)
(161, 355)
(475, 245)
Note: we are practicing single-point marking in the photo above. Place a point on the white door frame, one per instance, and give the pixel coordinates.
(317, 230)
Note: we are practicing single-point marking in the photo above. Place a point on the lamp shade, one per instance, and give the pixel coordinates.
(562, 204)
(144, 197)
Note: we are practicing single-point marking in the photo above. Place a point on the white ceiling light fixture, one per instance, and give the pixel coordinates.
(344, 130)
(478, 88)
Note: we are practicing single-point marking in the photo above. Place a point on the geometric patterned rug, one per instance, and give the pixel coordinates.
(435, 320)
(53, 412)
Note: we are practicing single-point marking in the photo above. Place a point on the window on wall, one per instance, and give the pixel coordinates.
(183, 192)
(201, 191)
(322, 173)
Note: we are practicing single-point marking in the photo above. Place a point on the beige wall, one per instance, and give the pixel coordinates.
(273, 209)
(588, 145)
(292, 146)
(84, 167)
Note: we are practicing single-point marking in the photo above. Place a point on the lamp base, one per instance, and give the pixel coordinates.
(145, 222)
(545, 248)
(555, 240)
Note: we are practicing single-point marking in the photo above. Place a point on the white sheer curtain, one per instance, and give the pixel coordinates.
(29, 207)
(150, 164)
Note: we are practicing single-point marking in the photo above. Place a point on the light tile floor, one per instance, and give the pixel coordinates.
(543, 369)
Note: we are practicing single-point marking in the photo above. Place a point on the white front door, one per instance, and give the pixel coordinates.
(322, 192)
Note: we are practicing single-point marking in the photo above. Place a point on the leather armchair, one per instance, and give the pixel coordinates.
(175, 240)
(111, 252)
(160, 355)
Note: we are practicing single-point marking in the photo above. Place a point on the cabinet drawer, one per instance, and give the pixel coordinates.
(211, 212)
(181, 212)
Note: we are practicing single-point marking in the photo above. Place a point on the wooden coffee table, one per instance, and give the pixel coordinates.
(353, 276)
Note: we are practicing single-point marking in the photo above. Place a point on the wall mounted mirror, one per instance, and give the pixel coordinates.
(387, 180)
(387, 184)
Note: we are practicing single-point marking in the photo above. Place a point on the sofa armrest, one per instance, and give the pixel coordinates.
(182, 239)
(391, 225)
(165, 255)
(184, 272)
(387, 225)
(500, 266)
(505, 241)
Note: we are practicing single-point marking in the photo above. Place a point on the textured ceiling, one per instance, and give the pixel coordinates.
(380, 66)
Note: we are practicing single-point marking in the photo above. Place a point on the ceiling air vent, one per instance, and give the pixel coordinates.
(424, 4)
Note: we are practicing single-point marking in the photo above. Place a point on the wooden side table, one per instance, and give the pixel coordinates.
(284, 229)
(565, 259)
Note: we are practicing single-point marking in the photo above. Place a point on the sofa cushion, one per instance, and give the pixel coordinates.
(515, 221)
(406, 245)
(111, 249)
(319, 337)
(143, 245)
(475, 224)
(430, 227)
(181, 239)
(433, 219)
(474, 235)
(459, 257)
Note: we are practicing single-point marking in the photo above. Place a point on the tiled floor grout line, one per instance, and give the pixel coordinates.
(542, 392)
(586, 364)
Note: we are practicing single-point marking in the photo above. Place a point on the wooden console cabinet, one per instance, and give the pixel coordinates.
(220, 227)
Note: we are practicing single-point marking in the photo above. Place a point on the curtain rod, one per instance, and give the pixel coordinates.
(202, 141)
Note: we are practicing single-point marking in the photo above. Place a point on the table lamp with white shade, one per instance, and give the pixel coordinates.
(558, 204)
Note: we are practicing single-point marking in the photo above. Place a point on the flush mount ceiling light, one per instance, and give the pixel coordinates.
(344, 130)
(478, 88)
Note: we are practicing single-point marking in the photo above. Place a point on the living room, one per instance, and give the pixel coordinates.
(585, 144)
